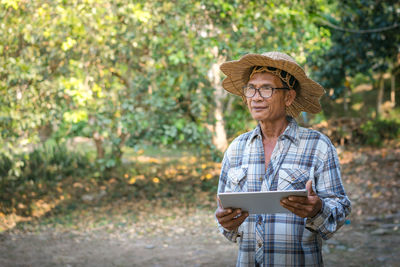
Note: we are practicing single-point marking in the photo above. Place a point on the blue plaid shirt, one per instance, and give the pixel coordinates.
(300, 154)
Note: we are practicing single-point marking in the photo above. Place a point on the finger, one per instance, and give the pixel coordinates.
(298, 199)
(309, 188)
(242, 217)
(219, 202)
(222, 212)
(229, 217)
(293, 204)
(292, 209)
(235, 223)
(298, 212)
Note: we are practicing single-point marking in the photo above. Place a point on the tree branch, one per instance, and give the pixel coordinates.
(116, 74)
(387, 28)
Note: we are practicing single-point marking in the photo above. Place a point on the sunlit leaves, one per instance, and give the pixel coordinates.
(75, 116)
(140, 14)
(10, 3)
(136, 70)
(68, 44)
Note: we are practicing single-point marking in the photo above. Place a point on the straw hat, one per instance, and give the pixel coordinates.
(238, 72)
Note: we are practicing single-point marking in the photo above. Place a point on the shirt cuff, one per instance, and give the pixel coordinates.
(318, 220)
(231, 235)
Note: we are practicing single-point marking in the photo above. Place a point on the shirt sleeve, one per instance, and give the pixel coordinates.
(335, 203)
(234, 234)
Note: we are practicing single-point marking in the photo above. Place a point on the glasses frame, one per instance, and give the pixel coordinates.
(262, 87)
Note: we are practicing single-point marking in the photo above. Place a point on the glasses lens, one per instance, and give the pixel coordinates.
(265, 92)
(249, 91)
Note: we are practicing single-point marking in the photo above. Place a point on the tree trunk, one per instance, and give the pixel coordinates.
(345, 99)
(45, 132)
(219, 136)
(379, 100)
(98, 141)
(117, 148)
(393, 90)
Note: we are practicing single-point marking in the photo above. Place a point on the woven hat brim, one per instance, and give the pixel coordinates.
(238, 72)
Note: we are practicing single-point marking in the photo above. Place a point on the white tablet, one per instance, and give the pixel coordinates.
(258, 202)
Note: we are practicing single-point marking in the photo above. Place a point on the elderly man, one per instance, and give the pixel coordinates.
(280, 155)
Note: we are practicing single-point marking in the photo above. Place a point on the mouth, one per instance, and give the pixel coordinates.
(258, 108)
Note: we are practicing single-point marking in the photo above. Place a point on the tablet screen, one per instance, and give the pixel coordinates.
(258, 202)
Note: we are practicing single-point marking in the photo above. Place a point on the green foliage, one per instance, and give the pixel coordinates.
(123, 73)
(374, 132)
(238, 120)
(318, 118)
(6, 166)
(49, 162)
(54, 162)
(355, 45)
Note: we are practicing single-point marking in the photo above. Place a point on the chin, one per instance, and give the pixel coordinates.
(268, 117)
(260, 115)
(260, 118)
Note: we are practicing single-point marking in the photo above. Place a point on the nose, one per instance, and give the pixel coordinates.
(257, 96)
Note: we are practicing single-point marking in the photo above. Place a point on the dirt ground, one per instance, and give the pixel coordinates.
(363, 244)
(188, 237)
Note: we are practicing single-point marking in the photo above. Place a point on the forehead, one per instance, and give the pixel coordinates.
(267, 78)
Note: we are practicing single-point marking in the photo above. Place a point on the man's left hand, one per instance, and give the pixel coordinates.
(303, 206)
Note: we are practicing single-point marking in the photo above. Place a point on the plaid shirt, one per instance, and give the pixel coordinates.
(300, 154)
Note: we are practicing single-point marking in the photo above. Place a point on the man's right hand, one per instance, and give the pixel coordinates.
(230, 219)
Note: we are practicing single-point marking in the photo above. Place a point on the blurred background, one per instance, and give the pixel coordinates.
(113, 124)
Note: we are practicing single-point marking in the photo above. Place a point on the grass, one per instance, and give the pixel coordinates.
(147, 181)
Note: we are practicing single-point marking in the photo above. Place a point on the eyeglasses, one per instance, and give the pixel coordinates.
(265, 92)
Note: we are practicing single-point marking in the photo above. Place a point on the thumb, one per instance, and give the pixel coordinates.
(219, 202)
(309, 188)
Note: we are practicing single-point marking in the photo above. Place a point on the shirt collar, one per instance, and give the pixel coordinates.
(291, 131)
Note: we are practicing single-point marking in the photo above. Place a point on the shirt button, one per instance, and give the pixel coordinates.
(261, 179)
(259, 244)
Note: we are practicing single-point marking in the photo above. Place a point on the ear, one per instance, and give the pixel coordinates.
(290, 96)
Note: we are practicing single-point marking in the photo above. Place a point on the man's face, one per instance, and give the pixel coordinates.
(270, 109)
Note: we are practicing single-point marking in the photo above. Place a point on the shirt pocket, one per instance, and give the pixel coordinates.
(237, 181)
(293, 179)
